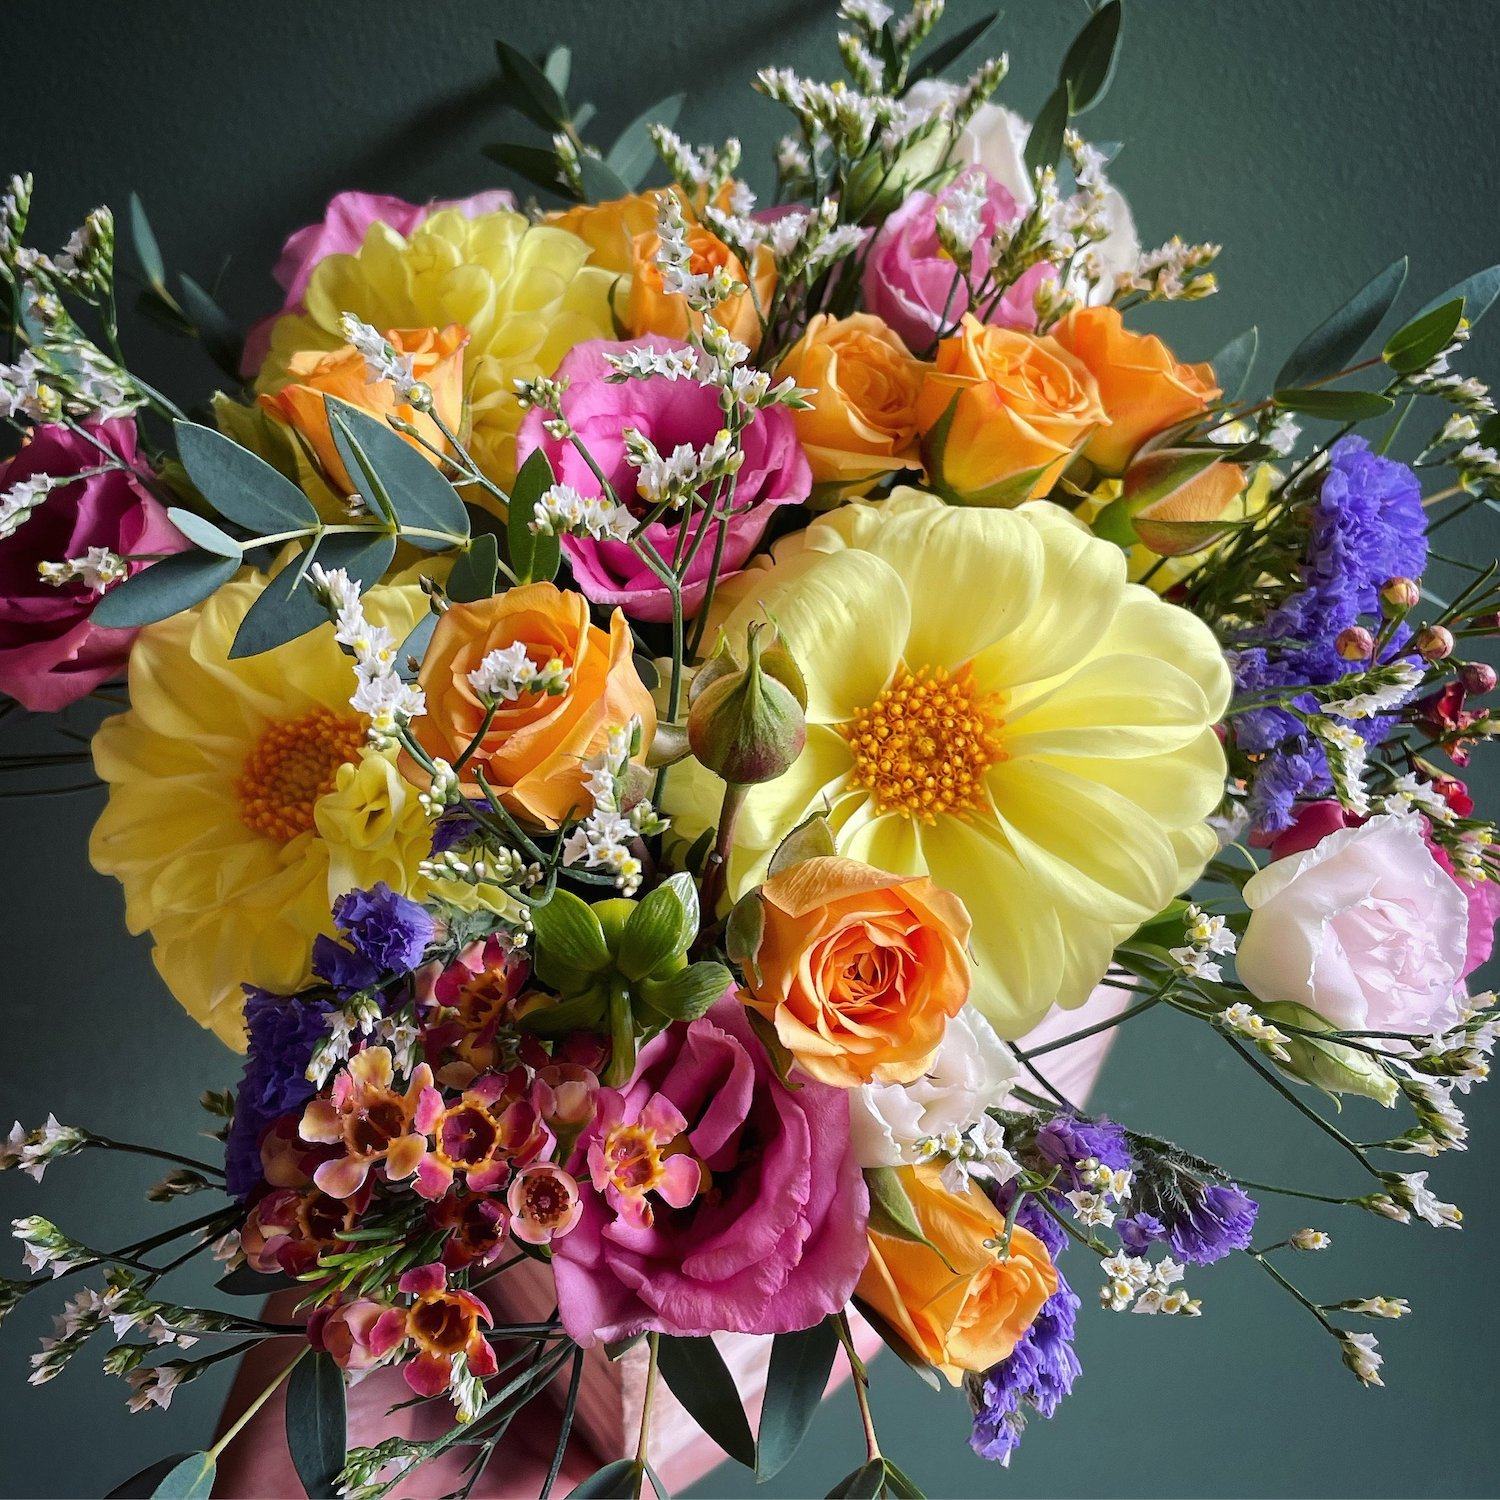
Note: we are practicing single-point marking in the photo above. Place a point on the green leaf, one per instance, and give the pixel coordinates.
(1233, 363)
(286, 608)
(246, 1282)
(533, 559)
(147, 251)
(899, 1484)
(1332, 345)
(142, 1486)
(530, 90)
(632, 156)
(1419, 342)
(689, 993)
(654, 1479)
(1479, 292)
(662, 927)
(1044, 144)
(863, 1484)
(583, 1012)
(613, 1480)
(697, 1375)
(899, 1347)
(1335, 406)
(420, 497)
(743, 932)
(191, 1479)
(800, 1365)
(317, 1424)
(558, 69)
(890, 1209)
(812, 838)
(165, 588)
(414, 647)
(242, 487)
(214, 327)
(475, 569)
(1090, 63)
(618, 1348)
(934, 61)
(203, 533)
(600, 181)
(538, 165)
(567, 930)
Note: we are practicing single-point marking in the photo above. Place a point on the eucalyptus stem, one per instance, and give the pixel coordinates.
(642, 1447)
(239, 1422)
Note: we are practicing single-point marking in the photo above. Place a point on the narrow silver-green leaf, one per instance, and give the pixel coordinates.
(203, 533)
(192, 1479)
(165, 588)
(1090, 64)
(801, 1363)
(633, 155)
(243, 488)
(1233, 363)
(1334, 343)
(697, 1375)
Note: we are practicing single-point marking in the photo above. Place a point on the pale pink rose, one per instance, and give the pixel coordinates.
(342, 231)
(1365, 928)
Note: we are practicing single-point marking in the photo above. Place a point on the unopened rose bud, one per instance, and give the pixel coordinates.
(1489, 622)
(1398, 595)
(1478, 678)
(747, 724)
(1434, 642)
(1355, 644)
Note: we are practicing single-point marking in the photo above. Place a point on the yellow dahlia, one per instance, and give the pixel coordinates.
(243, 798)
(525, 293)
(990, 704)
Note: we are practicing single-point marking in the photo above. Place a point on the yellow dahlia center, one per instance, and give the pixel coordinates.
(293, 763)
(923, 746)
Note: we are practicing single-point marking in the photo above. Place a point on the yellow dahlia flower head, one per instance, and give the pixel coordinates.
(526, 294)
(990, 704)
(243, 798)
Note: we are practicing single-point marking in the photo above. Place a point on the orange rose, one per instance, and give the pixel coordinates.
(534, 749)
(863, 420)
(1022, 406)
(1143, 388)
(610, 229)
(650, 309)
(859, 970)
(437, 359)
(967, 1321)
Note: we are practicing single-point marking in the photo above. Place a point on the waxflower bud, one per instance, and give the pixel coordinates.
(746, 725)
(1478, 678)
(1434, 642)
(1355, 644)
(1398, 595)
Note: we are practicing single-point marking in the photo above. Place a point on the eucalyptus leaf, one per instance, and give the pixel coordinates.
(214, 327)
(695, 1372)
(899, 1347)
(619, 1479)
(558, 69)
(1233, 363)
(932, 63)
(1332, 345)
(414, 647)
(242, 487)
(203, 533)
(1089, 67)
(1335, 406)
(863, 1484)
(1479, 292)
(147, 251)
(633, 155)
(142, 1486)
(801, 1363)
(1044, 144)
(529, 89)
(165, 588)
(475, 569)
(191, 1479)
(566, 929)
(533, 558)
(317, 1424)
(538, 165)
(1416, 344)
(689, 993)
(601, 182)
(662, 927)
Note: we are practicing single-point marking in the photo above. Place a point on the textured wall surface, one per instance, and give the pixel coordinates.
(1317, 142)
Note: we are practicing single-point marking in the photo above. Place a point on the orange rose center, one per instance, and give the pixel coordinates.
(293, 763)
(923, 746)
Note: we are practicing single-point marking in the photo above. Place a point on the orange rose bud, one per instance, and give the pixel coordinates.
(862, 424)
(610, 229)
(1143, 388)
(437, 358)
(1002, 413)
(859, 970)
(966, 1321)
(1171, 501)
(532, 754)
(651, 309)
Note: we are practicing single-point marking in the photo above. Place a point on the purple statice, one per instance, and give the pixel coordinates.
(1066, 1141)
(1218, 1221)
(283, 1030)
(386, 929)
(1038, 1372)
(1139, 1232)
(343, 968)
(452, 829)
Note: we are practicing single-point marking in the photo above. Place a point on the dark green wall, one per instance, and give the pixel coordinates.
(1316, 141)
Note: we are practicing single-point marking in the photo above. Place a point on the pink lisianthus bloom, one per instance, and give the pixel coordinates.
(1315, 820)
(341, 232)
(775, 1243)
(1365, 928)
(490, 1125)
(669, 413)
(910, 281)
(51, 653)
(443, 1323)
(357, 1335)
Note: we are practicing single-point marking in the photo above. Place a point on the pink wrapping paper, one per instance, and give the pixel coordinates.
(257, 1465)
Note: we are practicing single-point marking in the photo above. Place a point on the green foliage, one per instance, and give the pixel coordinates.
(697, 1375)
(165, 588)
(1089, 67)
(621, 1478)
(1332, 345)
(241, 487)
(533, 558)
(1335, 406)
(475, 569)
(801, 1363)
(1416, 344)
(1233, 363)
(317, 1424)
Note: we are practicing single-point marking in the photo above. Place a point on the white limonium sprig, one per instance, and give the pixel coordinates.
(1360, 1355)
(23, 497)
(562, 511)
(602, 841)
(508, 672)
(960, 219)
(1407, 1194)
(976, 1153)
(641, 362)
(383, 362)
(1380, 690)
(1310, 1240)
(1132, 1281)
(32, 1151)
(1409, 794)
(44, 1247)
(97, 568)
(1208, 937)
(1346, 752)
(1241, 1019)
(1175, 271)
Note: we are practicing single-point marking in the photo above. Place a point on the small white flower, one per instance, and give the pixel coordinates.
(1090, 1208)
(1310, 1239)
(1359, 1351)
(153, 1385)
(1379, 1307)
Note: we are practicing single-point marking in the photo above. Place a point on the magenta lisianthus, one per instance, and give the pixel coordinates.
(51, 653)
(911, 283)
(774, 1242)
(341, 231)
(669, 412)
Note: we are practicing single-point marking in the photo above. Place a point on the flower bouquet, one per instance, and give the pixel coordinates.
(645, 710)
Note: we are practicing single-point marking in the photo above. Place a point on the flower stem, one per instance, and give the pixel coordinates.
(718, 862)
(240, 1421)
(642, 1454)
(861, 1385)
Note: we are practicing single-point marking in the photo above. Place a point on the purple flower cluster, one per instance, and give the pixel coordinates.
(283, 1031)
(1041, 1369)
(1366, 525)
(387, 934)
(1205, 1226)
(1067, 1141)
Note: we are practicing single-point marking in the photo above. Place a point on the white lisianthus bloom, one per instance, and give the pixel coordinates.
(970, 1074)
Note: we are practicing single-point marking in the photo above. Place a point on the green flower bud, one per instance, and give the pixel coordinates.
(1327, 1065)
(746, 723)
